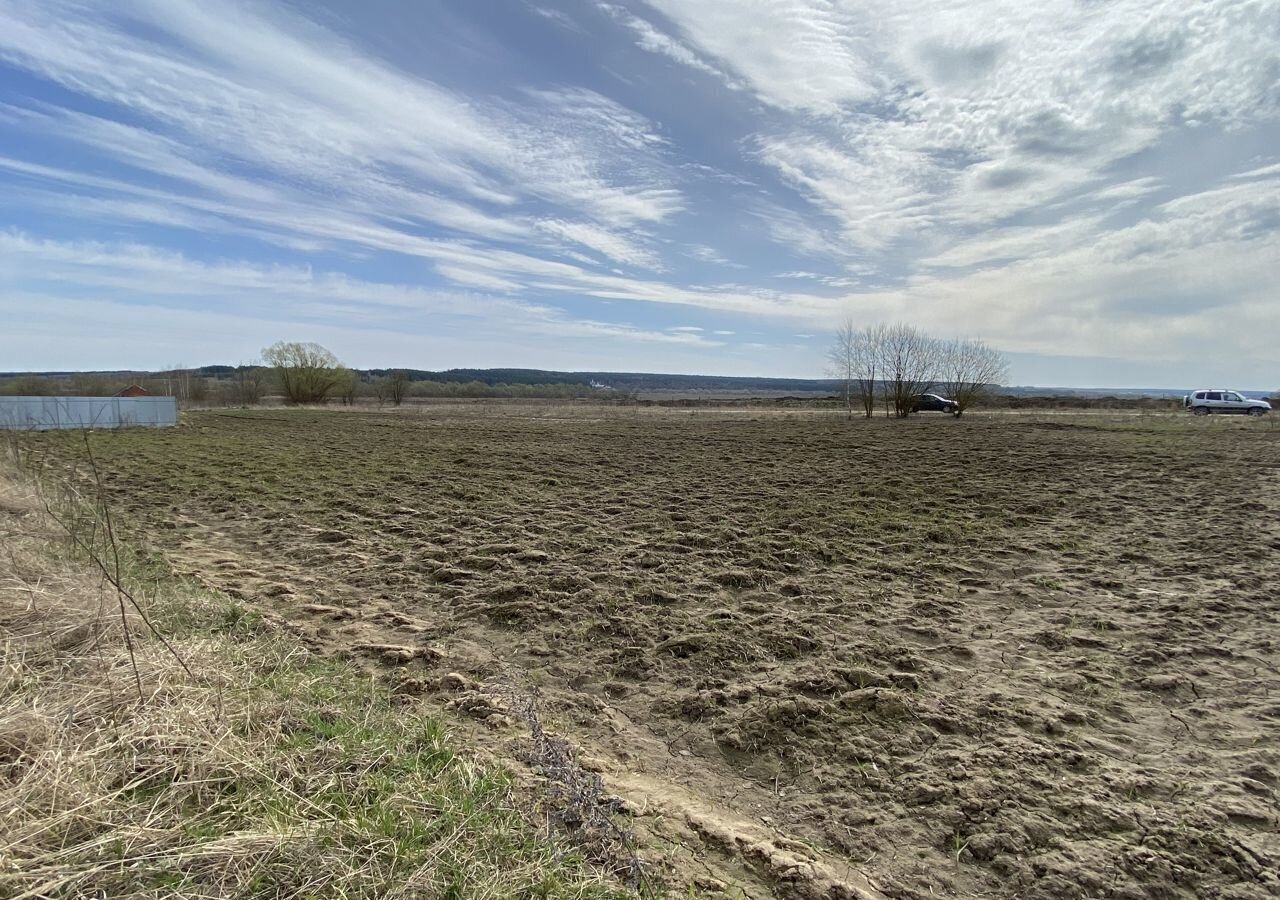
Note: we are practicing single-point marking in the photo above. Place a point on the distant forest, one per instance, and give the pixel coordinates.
(219, 382)
(449, 382)
(622, 381)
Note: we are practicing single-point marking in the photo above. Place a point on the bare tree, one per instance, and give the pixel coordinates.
(197, 388)
(307, 372)
(249, 383)
(185, 384)
(854, 358)
(840, 359)
(397, 386)
(175, 378)
(348, 386)
(967, 369)
(908, 361)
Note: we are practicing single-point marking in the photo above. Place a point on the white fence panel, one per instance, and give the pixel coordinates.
(45, 413)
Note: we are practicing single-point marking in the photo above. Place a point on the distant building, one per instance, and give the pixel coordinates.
(133, 390)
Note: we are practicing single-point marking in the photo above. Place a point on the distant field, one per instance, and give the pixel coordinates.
(1009, 655)
(742, 395)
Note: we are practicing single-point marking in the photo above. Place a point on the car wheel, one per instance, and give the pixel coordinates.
(1257, 411)
(1199, 410)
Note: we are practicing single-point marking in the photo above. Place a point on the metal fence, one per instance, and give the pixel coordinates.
(45, 413)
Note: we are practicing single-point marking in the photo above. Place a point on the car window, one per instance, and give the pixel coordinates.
(1199, 395)
(1236, 398)
(1213, 395)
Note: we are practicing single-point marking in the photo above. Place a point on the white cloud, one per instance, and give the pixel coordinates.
(559, 17)
(1193, 282)
(329, 124)
(1262, 172)
(589, 329)
(812, 235)
(1016, 243)
(611, 244)
(146, 279)
(483, 280)
(795, 55)
(977, 112)
(650, 38)
(703, 253)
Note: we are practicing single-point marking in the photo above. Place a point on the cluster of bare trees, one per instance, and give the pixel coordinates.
(894, 364)
(248, 384)
(184, 383)
(392, 388)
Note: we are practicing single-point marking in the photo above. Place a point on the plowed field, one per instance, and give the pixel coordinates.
(1000, 656)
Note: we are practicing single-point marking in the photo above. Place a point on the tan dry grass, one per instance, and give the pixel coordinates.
(264, 773)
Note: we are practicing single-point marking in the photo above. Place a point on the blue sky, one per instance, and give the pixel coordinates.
(657, 185)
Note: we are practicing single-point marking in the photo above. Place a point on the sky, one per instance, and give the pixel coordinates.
(643, 185)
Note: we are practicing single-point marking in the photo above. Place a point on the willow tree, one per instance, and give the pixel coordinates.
(307, 372)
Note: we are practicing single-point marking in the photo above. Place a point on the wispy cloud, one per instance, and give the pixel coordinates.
(974, 115)
(147, 278)
(246, 87)
(611, 244)
(648, 37)
(703, 253)
(796, 55)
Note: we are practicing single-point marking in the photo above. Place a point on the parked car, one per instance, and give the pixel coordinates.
(933, 403)
(1201, 403)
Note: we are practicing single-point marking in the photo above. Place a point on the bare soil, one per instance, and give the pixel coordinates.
(1005, 656)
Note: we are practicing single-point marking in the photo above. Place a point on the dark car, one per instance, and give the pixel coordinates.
(933, 403)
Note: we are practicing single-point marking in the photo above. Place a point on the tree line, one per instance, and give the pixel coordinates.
(308, 373)
(298, 373)
(893, 364)
(235, 386)
(889, 364)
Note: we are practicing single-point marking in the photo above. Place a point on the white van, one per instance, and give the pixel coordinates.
(1201, 403)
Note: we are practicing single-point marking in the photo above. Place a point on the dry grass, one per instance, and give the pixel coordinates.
(266, 772)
